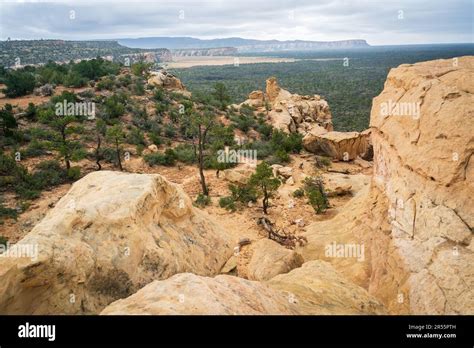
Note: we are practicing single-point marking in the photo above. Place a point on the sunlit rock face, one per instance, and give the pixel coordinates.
(416, 219)
(109, 236)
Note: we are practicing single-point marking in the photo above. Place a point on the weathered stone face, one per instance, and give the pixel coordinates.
(314, 288)
(416, 220)
(165, 80)
(423, 138)
(343, 146)
(110, 235)
(291, 112)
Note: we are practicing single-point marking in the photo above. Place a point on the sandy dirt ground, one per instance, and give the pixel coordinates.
(35, 99)
(285, 210)
(188, 62)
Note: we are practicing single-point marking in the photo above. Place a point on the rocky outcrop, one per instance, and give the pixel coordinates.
(45, 90)
(191, 294)
(422, 163)
(318, 288)
(344, 146)
(415, 222)
(291, 112)
(110, 235)
(268, 259)
(315, 288)
(239, 175)
(204, 52)
(275, 45)
(155, 56)
(164, 79)
(311, 117)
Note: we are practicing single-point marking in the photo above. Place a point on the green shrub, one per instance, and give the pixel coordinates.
(202, 200)
(114, 106)
(298, 193)
(243, 122)
(314, 190)
(243, 193)
(7, 213)
(227, 203)
(106, 83)
(138, 88)
(170, 131)
(74, 79)
(136, 137)
(140, 68)
(289, 143)
(95, 68)
(264, 129)
(140, 148)
(19, 83)
(25, 192)
(7, 121)
(110, 155)
(279, 157)
(3, 241)
(124, 80)
(322, 162)
(159, 95)
(10, 171)
(155, 138)
(30, 112)
(263, 148)
(35, 148)
(165, 159)
(185, 153)
(74, 173)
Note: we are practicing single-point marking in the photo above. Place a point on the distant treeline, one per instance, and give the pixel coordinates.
(24, 52)
(349, 88)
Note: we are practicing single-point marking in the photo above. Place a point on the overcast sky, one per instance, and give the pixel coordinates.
(380, 22)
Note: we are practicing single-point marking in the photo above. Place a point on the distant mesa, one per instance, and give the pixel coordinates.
(204, 52)
(19, 53)
(242, 45)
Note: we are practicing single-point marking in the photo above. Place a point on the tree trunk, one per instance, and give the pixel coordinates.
(97, 153)
(66, 156)
(265, 200)
(205, 191)
(118, 154)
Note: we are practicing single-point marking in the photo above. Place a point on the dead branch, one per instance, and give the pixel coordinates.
(290, 241)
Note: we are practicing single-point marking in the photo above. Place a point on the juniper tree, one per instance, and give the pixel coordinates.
(65, 125)
(116, 136)
(264, 183)
(202, 122)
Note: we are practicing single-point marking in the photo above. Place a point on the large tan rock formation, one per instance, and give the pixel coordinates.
(110, 235)
(416, 220)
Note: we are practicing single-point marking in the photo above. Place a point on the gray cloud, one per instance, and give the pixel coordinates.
(376, 21)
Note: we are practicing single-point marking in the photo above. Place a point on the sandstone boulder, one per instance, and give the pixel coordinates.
(110, 235)
(45, 90)
(166, 80)
(337, 185)
(415, 221)
(153, 148)
(318, 288)
(315, 288)
(291, 112)
(423, 138)
(256, 99)
(190, 294)
(343, 146)
(281, 171)
(239, 175)
(270, 259)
